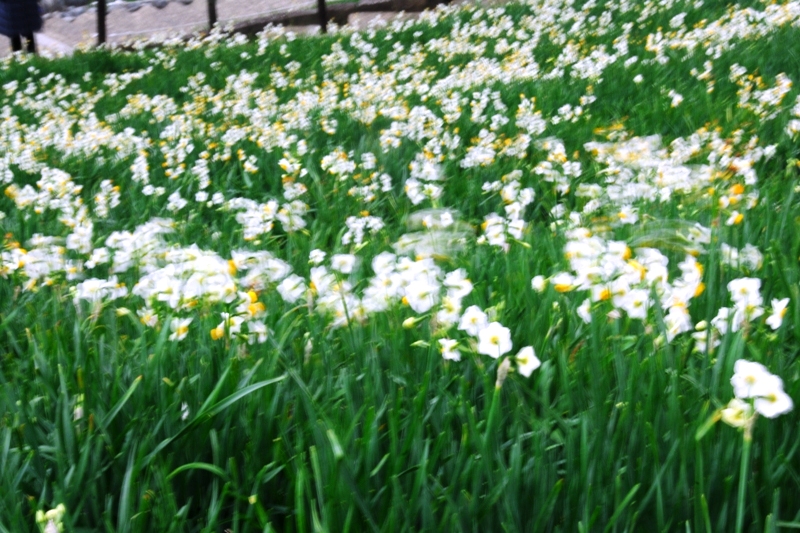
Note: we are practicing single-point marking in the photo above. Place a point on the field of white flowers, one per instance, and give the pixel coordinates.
(532, 267)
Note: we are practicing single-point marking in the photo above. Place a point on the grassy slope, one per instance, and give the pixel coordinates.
(369, 432)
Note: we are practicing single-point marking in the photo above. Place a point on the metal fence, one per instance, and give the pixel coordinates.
(324, 13)
(102, 12)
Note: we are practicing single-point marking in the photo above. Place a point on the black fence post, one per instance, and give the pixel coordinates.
(101, 22)
(323, 15)
(212, 14)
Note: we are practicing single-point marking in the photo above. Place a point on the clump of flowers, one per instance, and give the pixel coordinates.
(756, 391)
(748, 306)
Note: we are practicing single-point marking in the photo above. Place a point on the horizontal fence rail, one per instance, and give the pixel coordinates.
(102, 13)
(323, 14)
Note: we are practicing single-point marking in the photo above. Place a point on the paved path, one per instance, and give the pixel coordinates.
(62, 35)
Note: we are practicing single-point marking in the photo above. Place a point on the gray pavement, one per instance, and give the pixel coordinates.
(63, 34)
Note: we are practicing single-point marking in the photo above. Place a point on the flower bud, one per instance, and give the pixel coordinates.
(410, 322)
(502, 373)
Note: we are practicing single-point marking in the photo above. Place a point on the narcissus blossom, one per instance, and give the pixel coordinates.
(180, 328)
(527, 361)
(473, 320)
(778, 311)
(448, 349)
(753, 380)
(494, 340)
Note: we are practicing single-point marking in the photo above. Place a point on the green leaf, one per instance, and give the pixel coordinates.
(123, 518)
(121, 403)
(380, 465)
(708, 424)
(206, 412)
(7, 320)
(238, 395)
(621, 507)
(199, 466)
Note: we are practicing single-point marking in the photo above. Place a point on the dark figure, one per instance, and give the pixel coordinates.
(18, 19)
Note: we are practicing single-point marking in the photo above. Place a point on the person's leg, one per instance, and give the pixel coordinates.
(31, 43)
(16, 43)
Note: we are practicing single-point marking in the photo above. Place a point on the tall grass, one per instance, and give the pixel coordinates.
(365, 427)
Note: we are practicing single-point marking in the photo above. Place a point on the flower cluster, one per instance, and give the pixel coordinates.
(747, 306)
(756, 390)
(493, 339)
(389, 129)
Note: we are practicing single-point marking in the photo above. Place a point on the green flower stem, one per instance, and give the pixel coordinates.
(747, 441)
(489, 432)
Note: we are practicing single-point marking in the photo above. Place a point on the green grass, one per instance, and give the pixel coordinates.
(355, 422)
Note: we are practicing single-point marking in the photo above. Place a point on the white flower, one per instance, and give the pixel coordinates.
(636, 302)
(233, 323)
(735, 218)
(745, 292)
(258, 332)
(292, 288)
(677, 321)
(778, 311)
(676, 98)
(175, 202)
(448, 348)
(344, 263)
(457, 283)
(494, 340)
(628, 215)
(527, 361)
(585, 311)
(737, 413)
(773, 402)
(473, 320)
(749, 379)
(753, 380)
(450, 312)
(538, 283)
(315, 257)
(99, 256)
(179, 328)
(383, 263)
(148, 317)
(563, 282)
(95, 290)
(421, 295)
(721, 321)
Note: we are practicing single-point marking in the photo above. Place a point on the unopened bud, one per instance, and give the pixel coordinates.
(410, 322)
(502, 373)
